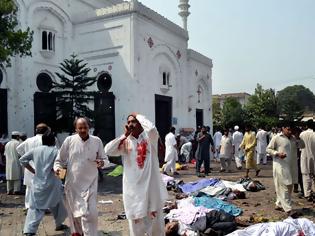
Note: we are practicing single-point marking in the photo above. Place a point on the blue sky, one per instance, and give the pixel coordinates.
(271, 42)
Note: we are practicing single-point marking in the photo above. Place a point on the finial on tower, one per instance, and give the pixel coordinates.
(184, 11)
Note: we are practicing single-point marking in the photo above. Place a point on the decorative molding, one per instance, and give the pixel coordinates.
(101, 50)
(196, 56)
(101, 56)
(150, 42)
(100, 30)
(126, 8)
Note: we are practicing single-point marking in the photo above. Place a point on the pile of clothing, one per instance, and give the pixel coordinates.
(201, 207)
(214, 187)
(251, 185)
(195, 215)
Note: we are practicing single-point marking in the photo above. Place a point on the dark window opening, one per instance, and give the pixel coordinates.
(44, 40)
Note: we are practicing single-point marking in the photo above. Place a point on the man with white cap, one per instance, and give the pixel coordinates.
(261, 137)
(237, 140)
(13, 169)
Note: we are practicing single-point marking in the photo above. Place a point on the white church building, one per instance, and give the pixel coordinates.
(141, 60)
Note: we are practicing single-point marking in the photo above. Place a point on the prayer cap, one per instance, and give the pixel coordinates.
(15, 133)
(236, 127)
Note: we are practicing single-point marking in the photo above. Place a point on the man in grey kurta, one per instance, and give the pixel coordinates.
(13, 169)
(46, 188)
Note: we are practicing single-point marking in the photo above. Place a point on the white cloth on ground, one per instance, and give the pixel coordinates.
(289, 227)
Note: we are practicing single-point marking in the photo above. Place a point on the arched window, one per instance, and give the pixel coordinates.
(164, 78)
(48, 40)
(44, 40)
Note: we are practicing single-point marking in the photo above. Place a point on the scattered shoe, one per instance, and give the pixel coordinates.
(257, 172)
(61, 227)
(277, 208)
(222, 170)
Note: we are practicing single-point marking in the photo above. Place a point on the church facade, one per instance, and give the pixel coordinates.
(141, 60)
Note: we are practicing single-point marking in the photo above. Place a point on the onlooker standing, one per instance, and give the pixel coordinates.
(281, 147)
(171, 155)
(308, 160)
(46, 189)
(237, 140)
(25, 147)
(248, 145)
(13, 167)
(261, 137)
(217, 141)
(203, 151)
(226, 151)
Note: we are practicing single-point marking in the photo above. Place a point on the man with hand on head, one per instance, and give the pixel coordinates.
(81, 154)
(143, 190)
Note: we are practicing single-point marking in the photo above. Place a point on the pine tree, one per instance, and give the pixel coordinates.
(72, 97)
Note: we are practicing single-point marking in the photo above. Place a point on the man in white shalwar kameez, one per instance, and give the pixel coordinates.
(143, 190)
(13, 169)
(281, 147)
(217, 142)
(81, 154)
(261, 137)
(237, 140)
(25, 147)
(171, 155)
(308, 161)
(46, 189)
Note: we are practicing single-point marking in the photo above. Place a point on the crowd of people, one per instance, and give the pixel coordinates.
(291, 147)
(64, 180)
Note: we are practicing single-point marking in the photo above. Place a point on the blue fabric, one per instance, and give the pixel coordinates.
(214, 203)
(196, 186)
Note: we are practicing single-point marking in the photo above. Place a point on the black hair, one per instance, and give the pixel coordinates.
(172, 129)
(310, 124)
(14, 136)
(41, 129)
(48, 138)
(286, 123)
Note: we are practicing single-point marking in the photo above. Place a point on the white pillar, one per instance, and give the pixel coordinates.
(184, 11)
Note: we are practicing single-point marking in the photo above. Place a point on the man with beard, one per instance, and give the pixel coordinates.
(143, 190)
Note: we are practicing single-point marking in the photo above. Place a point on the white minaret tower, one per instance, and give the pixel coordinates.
(184, 11)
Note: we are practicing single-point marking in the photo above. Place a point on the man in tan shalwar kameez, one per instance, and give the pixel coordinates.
(248, 145)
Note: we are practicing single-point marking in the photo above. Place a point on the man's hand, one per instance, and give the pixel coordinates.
(282, 155)
(127, 131)
(153, 214)
(100, 163)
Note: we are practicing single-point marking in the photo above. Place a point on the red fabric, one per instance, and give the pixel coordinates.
(76, 234)
(141, 153)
